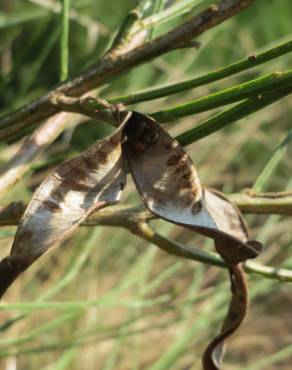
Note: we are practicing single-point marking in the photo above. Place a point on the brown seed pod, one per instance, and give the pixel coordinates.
(74, 190)
(170, 188)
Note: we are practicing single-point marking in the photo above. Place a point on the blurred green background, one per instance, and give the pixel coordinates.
(105, 299)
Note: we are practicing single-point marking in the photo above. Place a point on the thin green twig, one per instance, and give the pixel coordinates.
(166, 15)
(228, 71)
(157, 8)
(272, 164)
(270, 82)
(231, 115)
(64, 62)
(19, 18)
(181, 250)
(124, 33)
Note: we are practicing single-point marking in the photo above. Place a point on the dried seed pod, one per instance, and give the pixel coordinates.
(74, 190)
(162, 171)
(212, 358)
(170, 188)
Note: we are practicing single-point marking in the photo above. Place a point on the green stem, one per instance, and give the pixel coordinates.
(272, 163)
(65, 40)
(18, 18)
(176, 10)
(157, 8)
(228, 71)
(180, 250)
(231, 115)
(263, 203)
(124, 33)
(270, 82)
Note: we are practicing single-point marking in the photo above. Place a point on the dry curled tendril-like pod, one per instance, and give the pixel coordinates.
(169, 186)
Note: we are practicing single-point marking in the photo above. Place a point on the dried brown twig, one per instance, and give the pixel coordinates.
(124, 215)
(31, 147)
(136, 219)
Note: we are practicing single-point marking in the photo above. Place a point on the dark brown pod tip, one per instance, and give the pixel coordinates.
(256, 246)
(8, 273)
(141, 132)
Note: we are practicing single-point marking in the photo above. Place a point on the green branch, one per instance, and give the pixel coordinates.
(181, 250)
(241, 110)
(272, 164)
(261, 85)
(228, 71)
(166, 15)
(64, 62)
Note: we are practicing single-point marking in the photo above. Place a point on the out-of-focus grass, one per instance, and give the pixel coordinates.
(105, 299)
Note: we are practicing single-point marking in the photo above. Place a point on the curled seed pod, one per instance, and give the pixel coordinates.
(162, 171)
(169, 185)
(170, 188)
(74, 190)
(212, 358)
